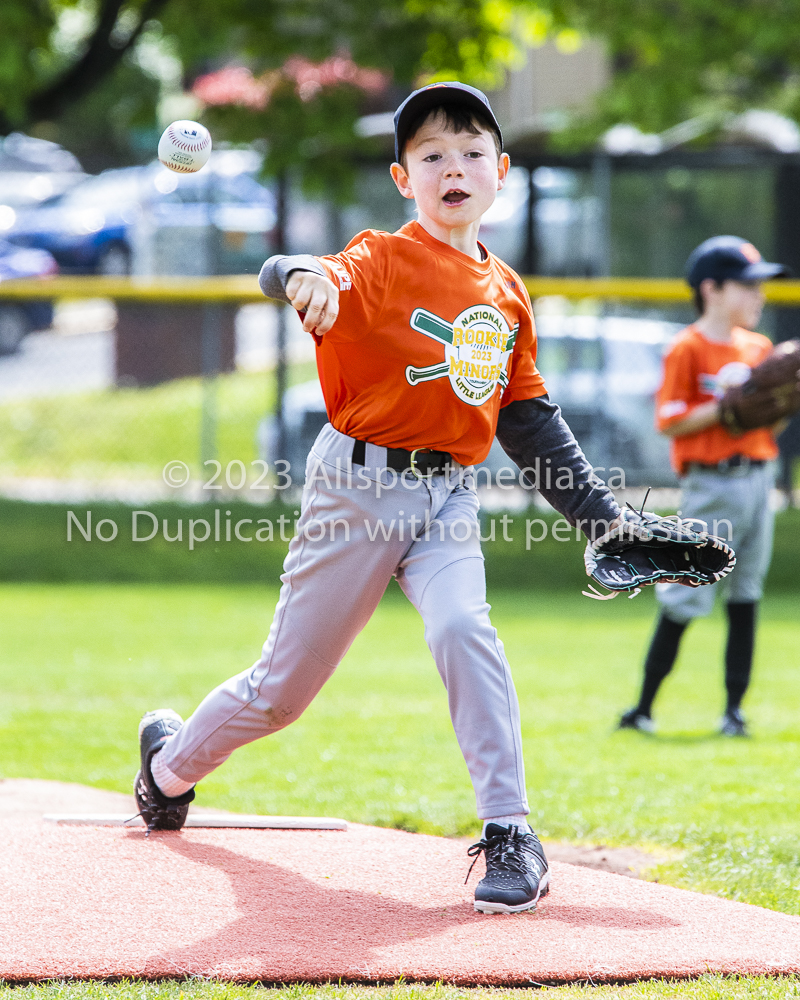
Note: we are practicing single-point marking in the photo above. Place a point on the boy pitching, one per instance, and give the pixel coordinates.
(426, 349)
(726, 479)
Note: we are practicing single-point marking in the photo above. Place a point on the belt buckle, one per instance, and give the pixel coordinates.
(414, 470)
(734, 462)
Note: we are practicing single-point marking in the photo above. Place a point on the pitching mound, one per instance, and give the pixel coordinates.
(369, 904)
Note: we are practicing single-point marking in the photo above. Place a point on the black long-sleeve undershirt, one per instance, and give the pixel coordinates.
(536, 437)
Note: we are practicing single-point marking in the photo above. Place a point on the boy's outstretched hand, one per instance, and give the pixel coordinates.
(317, 297)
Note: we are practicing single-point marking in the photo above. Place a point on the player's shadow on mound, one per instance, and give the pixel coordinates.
(607, 916)
(291, 927)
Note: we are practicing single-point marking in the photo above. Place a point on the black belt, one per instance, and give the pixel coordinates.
(420, 461)
(734, 462)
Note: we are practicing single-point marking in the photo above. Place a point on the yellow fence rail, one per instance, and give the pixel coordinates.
(241, 288)
(223, 288)
(644, 289)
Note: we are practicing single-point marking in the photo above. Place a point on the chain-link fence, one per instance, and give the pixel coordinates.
(141, 397)
(127, 400)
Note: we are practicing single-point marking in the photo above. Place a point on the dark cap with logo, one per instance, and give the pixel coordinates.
(430, 97)
(730, 258)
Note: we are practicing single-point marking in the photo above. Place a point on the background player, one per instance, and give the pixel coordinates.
(724, 478)
(425, 348)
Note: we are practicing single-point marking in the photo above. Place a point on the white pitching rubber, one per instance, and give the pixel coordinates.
(215, 821)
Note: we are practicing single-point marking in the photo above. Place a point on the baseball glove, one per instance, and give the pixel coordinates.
(771, 393)
(646, 548)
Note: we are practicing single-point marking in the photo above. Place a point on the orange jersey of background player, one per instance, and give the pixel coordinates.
(698, 370)
(428, 344)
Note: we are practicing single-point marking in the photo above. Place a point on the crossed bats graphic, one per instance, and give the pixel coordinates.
(439, 329)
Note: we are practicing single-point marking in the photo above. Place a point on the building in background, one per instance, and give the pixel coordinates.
(554, 81)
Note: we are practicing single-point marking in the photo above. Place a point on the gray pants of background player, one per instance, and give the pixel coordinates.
(740, 497)
(334, 577)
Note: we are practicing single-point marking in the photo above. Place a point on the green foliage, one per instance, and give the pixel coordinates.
(677, 60)
(70, 69)
(30, 24)
(67, 74)
(671, 60)
(402, 38)
(473, 40)
(114, 124)
(316, 138)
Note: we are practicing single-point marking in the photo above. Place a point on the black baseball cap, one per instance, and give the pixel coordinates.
(730, 258)
(434, 94)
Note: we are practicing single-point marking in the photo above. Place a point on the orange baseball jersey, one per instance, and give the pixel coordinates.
(428, 344)
(698, 370)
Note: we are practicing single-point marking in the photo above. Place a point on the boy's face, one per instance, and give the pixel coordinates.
(741, 302)
(454, 177)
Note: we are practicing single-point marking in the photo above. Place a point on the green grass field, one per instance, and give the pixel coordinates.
(709, 987)
(80, 663)
(132, 433)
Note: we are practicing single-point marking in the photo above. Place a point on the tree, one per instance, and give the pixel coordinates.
(39, 77)
(675, 60)
(74, 69)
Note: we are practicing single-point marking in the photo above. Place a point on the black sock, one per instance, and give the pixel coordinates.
(660, 658)
(739, 650)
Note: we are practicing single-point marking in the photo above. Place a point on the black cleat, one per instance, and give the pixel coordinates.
(516, 876)
(159, 811)
(733, 724)
(634, 719)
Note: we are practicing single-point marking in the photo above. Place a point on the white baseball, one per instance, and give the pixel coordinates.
(185, 147)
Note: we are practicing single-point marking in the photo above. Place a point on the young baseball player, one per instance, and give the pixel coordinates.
(426, 349)
(726, 480)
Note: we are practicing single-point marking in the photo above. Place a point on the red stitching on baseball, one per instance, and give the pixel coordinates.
(181, 143)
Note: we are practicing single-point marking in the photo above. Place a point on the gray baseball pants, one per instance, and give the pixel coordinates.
(358, 527)
(735, 504)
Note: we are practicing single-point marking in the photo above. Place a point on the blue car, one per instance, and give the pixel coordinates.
(100, 225)
(20, 318)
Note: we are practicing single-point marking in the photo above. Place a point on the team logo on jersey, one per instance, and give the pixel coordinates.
(477, 346)
(734, 373)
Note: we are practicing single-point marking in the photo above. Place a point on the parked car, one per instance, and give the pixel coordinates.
(602, 371)
(102, 224)
(32, 170)
(19, 318)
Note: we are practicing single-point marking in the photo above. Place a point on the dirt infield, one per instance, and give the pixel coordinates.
(369, 904)
(26, 800)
